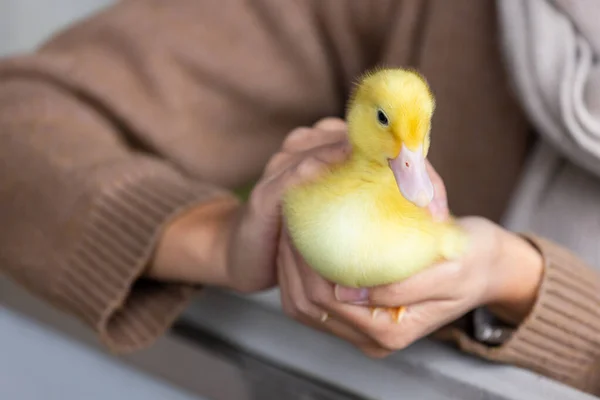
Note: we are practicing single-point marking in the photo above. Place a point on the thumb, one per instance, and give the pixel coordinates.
(439, 205)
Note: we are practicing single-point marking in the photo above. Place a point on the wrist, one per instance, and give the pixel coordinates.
(519, 269)
(193, 247)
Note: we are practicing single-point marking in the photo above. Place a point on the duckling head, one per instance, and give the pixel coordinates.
(389, 121)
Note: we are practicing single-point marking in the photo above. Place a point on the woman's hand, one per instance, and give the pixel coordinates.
(501, 270)
(307, 297)
(234, 245)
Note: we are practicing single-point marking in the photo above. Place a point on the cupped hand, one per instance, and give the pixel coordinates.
(305, 295)
(253, 246)
(227, 244)
(500, 270)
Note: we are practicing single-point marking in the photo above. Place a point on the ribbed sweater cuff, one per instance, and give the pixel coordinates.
(102, 281)
(559, 338)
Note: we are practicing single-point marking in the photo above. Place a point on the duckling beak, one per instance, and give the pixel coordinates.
(411, 176)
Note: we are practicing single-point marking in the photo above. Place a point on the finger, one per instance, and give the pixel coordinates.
(331, 124)
(303, 139)
(268, 192)
(277, 163)
(291, 284)
(297, 304)
(378, 328)
(325, 155)
(328, 131)
(419, 321)
(439, 205)
(442, 281)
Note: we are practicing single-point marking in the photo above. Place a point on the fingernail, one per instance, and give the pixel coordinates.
(351, 295)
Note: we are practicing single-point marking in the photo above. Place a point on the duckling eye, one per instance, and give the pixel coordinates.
(382, 118)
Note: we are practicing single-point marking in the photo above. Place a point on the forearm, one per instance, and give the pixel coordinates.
(193, 247)
(81, 214)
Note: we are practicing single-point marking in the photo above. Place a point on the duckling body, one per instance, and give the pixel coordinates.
(355, 228)
(365, 223)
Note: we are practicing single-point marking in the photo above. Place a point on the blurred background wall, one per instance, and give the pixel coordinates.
(24, 24)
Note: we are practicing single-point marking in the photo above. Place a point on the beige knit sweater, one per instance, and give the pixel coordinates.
(118, 124)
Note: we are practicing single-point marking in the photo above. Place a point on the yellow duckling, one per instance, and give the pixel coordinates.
(365, 222)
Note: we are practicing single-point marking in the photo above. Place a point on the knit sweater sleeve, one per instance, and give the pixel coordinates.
(559, 338)
(117, 125)
(81, 213)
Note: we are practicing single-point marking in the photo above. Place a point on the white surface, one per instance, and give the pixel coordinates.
(36, 363)
(425, 371)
